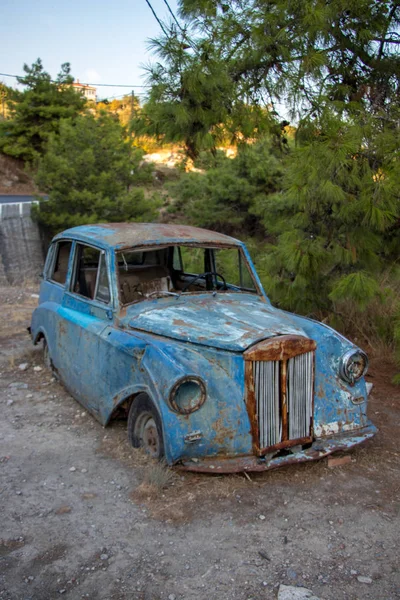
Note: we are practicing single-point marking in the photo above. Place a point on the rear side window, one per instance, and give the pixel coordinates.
(90, 274)
(59, 269)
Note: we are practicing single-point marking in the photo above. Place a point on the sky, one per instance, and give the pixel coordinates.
(105, 42)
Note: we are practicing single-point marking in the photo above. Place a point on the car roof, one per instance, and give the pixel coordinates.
(128, 235)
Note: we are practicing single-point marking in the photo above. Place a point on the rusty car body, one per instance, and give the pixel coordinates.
(170, 327)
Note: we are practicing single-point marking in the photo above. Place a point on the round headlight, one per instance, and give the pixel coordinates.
(187, 395)
(354, 365)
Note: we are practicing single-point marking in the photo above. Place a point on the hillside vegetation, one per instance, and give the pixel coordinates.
(317, 198)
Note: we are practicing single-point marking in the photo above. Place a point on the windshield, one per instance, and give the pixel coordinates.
(176, 270)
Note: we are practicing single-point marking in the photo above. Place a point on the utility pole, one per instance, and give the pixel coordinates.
(132, 98)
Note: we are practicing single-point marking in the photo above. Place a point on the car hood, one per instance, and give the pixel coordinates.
(227, 321)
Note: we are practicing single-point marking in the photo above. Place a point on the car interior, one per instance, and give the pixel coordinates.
(173, 269)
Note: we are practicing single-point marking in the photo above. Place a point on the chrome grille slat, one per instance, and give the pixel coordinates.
(299, 397)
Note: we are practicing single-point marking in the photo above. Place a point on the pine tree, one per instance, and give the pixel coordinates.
(193, 99)
(36, 112)
(91, 174)
(337, 220)
(223, 198)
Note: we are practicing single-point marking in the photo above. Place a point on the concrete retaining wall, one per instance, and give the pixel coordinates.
(21, 252)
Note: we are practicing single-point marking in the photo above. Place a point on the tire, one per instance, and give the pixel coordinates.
(144, 427)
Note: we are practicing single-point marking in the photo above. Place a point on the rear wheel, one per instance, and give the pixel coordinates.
(144, 427)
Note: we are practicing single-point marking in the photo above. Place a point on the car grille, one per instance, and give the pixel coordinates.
(280, 392)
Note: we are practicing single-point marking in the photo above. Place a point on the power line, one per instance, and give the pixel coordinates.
(156, 18)
(193, 46)
(173, 15)
(93, 84)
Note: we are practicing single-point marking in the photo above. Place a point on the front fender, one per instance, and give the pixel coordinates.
(222, 420)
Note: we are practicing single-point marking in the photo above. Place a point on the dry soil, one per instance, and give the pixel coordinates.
(77, 518)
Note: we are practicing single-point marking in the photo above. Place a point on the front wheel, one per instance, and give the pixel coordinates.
(144, 427)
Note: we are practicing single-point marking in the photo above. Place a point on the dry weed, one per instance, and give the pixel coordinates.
(158, 477)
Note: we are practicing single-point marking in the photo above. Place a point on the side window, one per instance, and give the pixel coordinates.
(59, 269)
(90, 274)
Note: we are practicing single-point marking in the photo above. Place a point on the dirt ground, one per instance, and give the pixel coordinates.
(14, 178)
(77, 521)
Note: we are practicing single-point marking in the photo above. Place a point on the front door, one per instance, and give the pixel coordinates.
(85, 312)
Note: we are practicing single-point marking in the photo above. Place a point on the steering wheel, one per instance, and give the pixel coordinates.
(202, 276)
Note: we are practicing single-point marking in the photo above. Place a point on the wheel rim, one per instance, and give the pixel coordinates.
(146, 431)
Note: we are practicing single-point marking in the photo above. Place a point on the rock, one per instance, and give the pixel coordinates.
(363, 579)
(29, 396)
(261, 517)
(23, 366)
(34, 295)
(10, 402)
(37, 369)
(62, 591)
(19, 385)
(171, 597)
(339, 462)
(83, 470)
(73, 469)
(104, 557)
(19, 493)
(353, 572)
(290, 592)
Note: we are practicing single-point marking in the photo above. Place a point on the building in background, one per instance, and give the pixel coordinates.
(88, 91)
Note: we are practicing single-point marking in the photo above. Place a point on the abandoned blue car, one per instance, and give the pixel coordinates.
(169, 327)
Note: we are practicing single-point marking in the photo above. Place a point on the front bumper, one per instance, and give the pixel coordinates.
(319, 448)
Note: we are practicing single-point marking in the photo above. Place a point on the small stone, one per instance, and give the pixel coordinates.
(37, 369)
(23, 366)
(261, 517)
(72, 469)
(88, 496)
(83, 470)
(339, 462)
(30, 577)
(353, 572)
(290, 592)
(19, 385)
(29, 396)
(363, 579)
(63, 510)
(62, 591)
(19, 493)
(104, 557)
(171, 597)
(10, 402)
(291, 573)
